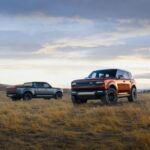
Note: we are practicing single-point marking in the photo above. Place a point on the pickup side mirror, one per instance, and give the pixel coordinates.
(120, 76)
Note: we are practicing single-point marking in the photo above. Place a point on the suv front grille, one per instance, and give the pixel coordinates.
(89, 83)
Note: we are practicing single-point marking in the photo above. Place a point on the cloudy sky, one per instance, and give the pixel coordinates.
(62, 40)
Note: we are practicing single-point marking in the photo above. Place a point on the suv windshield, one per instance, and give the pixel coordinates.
(111, 73)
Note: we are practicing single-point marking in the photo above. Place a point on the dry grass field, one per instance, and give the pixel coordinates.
(55, 125)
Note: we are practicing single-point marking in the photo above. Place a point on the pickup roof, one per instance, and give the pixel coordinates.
(30, 90)
(107, 85)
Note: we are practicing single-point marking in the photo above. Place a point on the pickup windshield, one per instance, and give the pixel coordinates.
(111, 73)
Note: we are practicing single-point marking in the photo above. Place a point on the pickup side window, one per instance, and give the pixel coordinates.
(42, 85)
(30, 84)
(46, 85)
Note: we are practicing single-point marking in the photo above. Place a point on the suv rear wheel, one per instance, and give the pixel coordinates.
(77, 100)
(27, 96)
(133, 95)
(110, 97)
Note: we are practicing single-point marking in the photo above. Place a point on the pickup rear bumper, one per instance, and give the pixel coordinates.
(89, 95)
(13, 95)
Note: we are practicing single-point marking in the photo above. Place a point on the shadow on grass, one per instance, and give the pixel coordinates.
(98, 103)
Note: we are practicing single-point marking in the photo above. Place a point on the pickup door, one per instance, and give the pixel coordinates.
(43, 89)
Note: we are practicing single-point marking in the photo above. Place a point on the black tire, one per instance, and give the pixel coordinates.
(27, 96)
(133, 95)
(110, 97)
(59, 95)
(76, 100)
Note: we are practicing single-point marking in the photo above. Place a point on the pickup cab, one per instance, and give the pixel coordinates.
(107, 85)
(30, 90)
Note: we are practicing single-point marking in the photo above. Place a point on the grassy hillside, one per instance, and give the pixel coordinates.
(52, 124)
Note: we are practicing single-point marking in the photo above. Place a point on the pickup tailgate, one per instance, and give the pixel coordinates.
(11, 90)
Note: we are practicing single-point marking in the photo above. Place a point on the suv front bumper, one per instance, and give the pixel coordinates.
(89, 95)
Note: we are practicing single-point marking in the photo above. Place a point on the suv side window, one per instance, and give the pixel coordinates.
(124, 74)
(120, 73)
(130, 75)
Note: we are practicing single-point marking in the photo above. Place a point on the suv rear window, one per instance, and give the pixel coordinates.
(103, 74)
(124, 74)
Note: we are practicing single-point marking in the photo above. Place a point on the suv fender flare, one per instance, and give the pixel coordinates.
(112, 84)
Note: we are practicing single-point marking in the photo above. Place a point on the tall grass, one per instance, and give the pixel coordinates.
(57, 124)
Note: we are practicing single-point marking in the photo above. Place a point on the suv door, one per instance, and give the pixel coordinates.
(123, 81)
(127, 82)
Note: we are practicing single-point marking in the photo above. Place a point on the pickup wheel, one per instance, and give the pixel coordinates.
(110, 97)
(76, 100)
(27, 96)
(133, 95)
(58, 95)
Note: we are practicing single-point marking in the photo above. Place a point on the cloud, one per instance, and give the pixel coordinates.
(98, 9)
(144, 50)
(70, 38)
(86, 43)
(108, 45)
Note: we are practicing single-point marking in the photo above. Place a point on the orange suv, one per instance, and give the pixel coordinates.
(107, 85)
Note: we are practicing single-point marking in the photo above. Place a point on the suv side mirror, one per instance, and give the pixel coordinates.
(120, 76)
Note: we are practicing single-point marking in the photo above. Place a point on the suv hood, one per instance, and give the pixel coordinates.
(88, 80)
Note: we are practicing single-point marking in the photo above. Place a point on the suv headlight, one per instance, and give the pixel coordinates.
(74, 83)
(99, 82)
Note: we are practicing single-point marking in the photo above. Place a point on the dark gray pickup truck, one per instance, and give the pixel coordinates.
(30, 90)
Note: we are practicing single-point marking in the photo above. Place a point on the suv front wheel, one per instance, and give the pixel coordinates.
(77, 100)
(110, 97)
